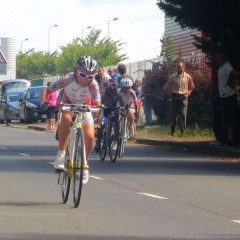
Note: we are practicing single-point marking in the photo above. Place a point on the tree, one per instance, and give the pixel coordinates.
(218, 20)
(35, 64)
(105, 51)
(40, 64)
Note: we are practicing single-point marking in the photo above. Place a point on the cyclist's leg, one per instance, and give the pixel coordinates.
(130, 118)
(88, 129)
(63, 133)
(63, 130)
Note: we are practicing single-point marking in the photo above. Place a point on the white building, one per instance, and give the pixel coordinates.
(8, 49)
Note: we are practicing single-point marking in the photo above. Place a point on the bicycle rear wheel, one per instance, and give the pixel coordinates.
(66, 178)
(114, 141)
(103, 148)
(79, 159)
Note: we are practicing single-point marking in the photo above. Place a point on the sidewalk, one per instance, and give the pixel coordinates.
(171, 144)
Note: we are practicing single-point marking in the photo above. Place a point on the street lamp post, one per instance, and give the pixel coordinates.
(26, 39)
(114, 19)
(49, 35)
(89, 27)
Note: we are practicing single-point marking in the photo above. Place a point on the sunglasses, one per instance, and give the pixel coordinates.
(83, 75)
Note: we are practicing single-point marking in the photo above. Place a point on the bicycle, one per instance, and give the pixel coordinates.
(75, 158)
(110, 138)
(124, 132)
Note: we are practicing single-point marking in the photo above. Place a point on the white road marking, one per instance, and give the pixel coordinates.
(32, 214)
(97, 178)
(236, 221)
(152, 196)
(51, 163)
(24, 154)
(3, 148)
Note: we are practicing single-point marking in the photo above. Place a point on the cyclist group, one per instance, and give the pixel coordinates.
(81, 86)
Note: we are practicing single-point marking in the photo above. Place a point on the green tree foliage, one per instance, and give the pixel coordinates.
(39, 64)
(218, 20)
(34, 64)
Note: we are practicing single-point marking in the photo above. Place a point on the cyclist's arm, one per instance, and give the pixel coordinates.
(134, 98)
(44, 95)
(95, 93)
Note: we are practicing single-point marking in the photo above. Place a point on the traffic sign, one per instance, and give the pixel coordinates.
(2, 58)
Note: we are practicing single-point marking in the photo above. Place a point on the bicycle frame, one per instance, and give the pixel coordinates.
(75, 161)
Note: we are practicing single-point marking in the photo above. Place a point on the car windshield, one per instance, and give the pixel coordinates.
(33, 93)
(14, 97)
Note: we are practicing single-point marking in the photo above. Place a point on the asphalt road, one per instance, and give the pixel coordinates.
(149, 194)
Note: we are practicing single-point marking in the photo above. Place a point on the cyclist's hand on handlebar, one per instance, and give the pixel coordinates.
(44, 106)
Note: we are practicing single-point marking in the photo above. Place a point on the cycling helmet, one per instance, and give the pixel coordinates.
(111, 84)
(126, 82)
(88, 62)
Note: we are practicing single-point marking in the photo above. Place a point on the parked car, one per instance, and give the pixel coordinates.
(9, 105)
(14, 84)
(30, 106)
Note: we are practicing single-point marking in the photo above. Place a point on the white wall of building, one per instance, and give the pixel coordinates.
(136, 69)
(8, 48)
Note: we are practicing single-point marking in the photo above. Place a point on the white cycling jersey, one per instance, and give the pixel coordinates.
(128, 98)
(72, 92)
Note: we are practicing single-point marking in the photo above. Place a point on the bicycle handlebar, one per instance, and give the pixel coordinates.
(79, 108)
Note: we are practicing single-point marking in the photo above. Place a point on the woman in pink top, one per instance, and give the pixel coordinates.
(52, 102)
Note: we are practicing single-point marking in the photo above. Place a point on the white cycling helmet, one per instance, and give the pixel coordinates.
(88, 62)
(126, 82)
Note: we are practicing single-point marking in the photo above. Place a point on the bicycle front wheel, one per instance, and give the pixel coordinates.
(114, 141)
(103, 148)
(66, 178)
(79, 160)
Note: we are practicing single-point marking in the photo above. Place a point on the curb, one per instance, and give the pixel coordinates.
(36, 128)
(202, 148)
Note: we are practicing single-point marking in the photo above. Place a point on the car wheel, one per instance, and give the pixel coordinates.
(26, 118)
(19, 116)
(6, 120)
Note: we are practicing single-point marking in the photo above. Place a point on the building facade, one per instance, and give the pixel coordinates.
(183, 41)
(8, 49)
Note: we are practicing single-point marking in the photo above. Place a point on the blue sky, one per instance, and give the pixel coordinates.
(140, 23)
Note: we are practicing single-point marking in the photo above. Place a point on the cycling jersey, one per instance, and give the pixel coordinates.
(73, 92)
(111, 100)
(128, 98)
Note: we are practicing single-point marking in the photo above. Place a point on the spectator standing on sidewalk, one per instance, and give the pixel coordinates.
(52, 103)
(180, 86)
(234, 82)
(102, 78)
(227, 99)
(215, 101)
(122, 69)
(113, 75)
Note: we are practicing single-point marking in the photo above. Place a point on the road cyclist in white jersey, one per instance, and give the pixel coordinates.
(77, 87)
(129, 98)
